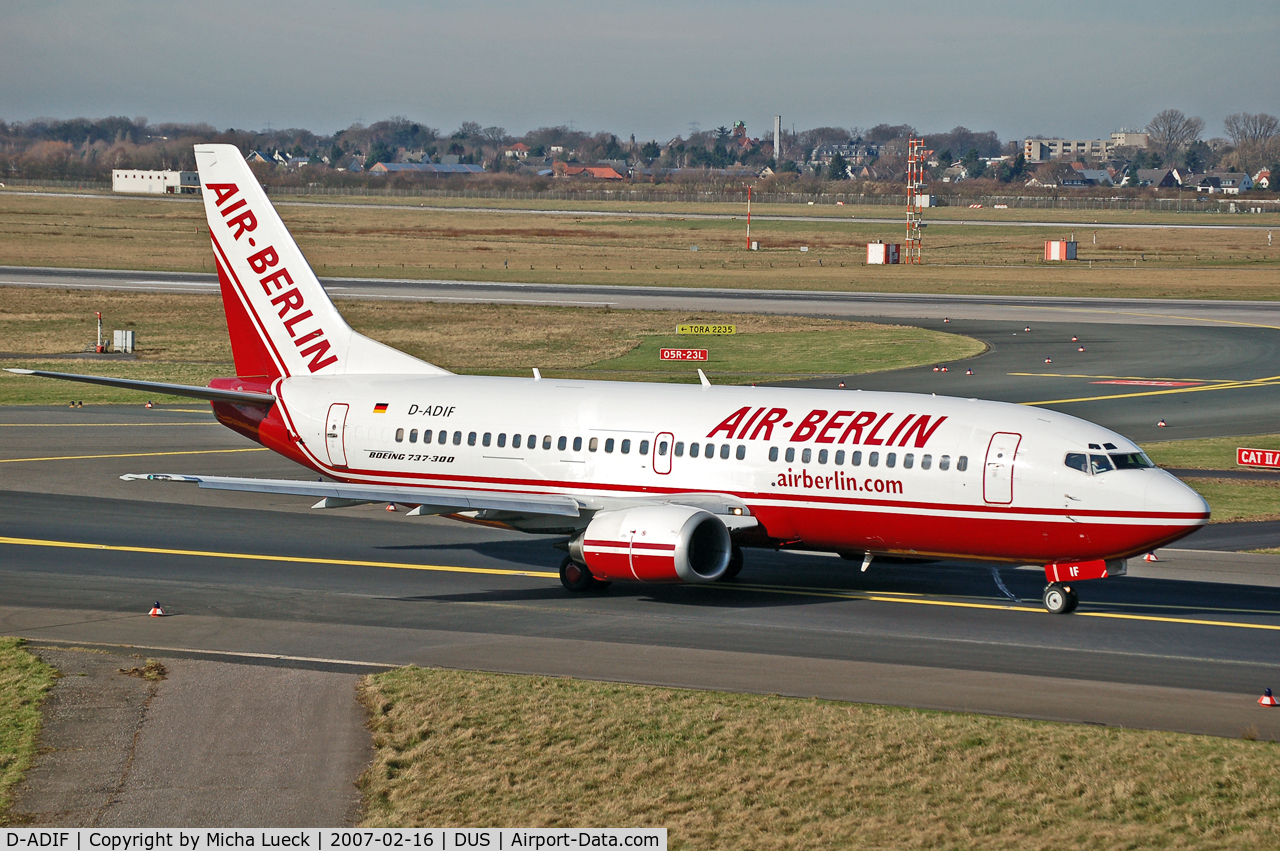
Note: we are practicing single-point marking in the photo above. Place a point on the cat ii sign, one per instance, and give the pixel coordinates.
(1258, 457)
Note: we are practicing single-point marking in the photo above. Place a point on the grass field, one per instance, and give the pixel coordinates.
(24, 682)
(1231, 499)
(361, 240)
(744, 771)
(183, 339)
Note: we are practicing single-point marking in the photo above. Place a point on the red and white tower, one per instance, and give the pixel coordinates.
(916, 190)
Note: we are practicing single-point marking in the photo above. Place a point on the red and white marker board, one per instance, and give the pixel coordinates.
(682, 354)
(1258, 457)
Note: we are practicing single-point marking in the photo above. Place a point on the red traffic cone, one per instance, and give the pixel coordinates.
(1075, 339)
(1161, 424)
(944, 369)
(968, 372)
(946, 319)
(1268, 699)
(156, 611)
(1048, 360)
(1150, 557)
(1081, 349)
(148, 405)
(391, 506)
(841, 384)
(937, 369)
(1028, 328)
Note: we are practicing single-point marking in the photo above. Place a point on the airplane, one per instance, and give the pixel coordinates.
(652, 482)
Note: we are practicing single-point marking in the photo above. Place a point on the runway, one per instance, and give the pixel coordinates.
(1185, 644)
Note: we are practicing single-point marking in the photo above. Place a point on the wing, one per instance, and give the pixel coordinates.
(238, 397)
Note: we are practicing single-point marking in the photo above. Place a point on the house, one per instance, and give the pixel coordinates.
(258, 157)
(1160, 178)
(855, 153)
(155, 182)
(1262, 180)
(1090, 176)
(589, 172)
(517, 151)
(1224, 183)
(1042, 150)
(430, 169)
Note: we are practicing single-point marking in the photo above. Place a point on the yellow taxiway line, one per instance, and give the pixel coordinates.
(133, 455)
(542, 574)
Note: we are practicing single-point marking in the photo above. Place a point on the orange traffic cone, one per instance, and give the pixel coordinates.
(1161, 424)
(944, 369)
(148, 405)
(1075, 339)
(156, 611)
(937, 369)
(1150, 557)
(391, 506)
(1268, 699)
(946, 319)
(1028, 328)
(1081, 349)
(1048, 360)
(841, 383)
(968, 372)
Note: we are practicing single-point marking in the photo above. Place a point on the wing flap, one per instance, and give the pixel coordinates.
(447, 501)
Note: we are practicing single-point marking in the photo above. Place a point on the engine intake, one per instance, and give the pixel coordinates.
(655, 543)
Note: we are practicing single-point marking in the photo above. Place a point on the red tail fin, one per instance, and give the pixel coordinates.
(250, 354)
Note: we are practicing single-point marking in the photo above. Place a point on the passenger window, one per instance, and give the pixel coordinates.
(626, 446)
(694, 449)
(608, 444)
(644, 447)
(563, 443)
(822, 456)
(515, 440)
(546, 441)
(873, 459)
(908, 460)
(724, 450)
(890, 459)
(662, 447)
(488, 436)
(679, 449)
(773, 453)
(944, 463)
(962, 463)
(926, 461)
(413, 435)
(502, 439)
(399, 435)
(443, 437)
(742, 452)
(709, 451)
(791, 454)
(839, 457)
(805, 455)
(856, 458)
(1100, 463)
(593, 444)
(457, 438)
(532, 441)
(1077, 461)
(471, 439)
(577, 444)
(426, 435)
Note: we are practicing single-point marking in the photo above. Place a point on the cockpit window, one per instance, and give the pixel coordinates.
(1078, 461)
(1130, 460)
(1100, 464)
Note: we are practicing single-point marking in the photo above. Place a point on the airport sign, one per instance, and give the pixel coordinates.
(715, 330)
(682, 354)
(1258, 457)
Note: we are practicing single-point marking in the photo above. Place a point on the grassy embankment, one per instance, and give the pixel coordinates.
(1232, 500)
(746, 771)
(441, 242)
(183, 339)
(24, 682)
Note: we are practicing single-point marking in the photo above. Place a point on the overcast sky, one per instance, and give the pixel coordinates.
(1078, 69)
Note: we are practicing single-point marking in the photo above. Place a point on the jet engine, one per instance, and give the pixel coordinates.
(654, 543)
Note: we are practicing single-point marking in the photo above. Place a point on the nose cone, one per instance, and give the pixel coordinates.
(1168, 495)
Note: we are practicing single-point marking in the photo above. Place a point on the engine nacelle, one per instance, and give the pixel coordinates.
(655, 543)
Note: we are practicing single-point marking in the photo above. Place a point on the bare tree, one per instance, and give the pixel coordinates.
(496, 135)
(1254, 137)
(1171, 131)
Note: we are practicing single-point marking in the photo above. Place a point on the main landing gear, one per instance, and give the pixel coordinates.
(1060, 598)
(576, 577)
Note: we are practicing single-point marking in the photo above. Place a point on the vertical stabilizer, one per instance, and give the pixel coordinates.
(281, 320)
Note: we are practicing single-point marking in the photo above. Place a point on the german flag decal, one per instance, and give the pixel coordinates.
(380, 408)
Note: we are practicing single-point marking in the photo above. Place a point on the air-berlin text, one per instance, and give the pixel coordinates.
(867, 428)
(276, 280)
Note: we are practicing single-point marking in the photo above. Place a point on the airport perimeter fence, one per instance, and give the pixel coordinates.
(1188, 203)
(10, 182)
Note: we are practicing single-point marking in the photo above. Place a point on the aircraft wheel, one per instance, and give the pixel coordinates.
(576, 577)
(735, 565)
(1060, 599)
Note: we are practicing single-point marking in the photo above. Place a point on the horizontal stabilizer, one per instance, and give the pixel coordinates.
(447, 501)
(238, 397)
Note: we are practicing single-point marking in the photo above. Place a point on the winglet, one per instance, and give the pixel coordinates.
(702, 376)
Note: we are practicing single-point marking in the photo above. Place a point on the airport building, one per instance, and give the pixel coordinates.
(1043, 150)
(155, 182)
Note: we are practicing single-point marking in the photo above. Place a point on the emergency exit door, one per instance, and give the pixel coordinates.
(335, 434)
(997, 476)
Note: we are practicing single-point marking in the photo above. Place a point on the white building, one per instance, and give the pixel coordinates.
(155, 182)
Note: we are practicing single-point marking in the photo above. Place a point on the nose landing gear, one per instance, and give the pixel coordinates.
(1060, 599)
